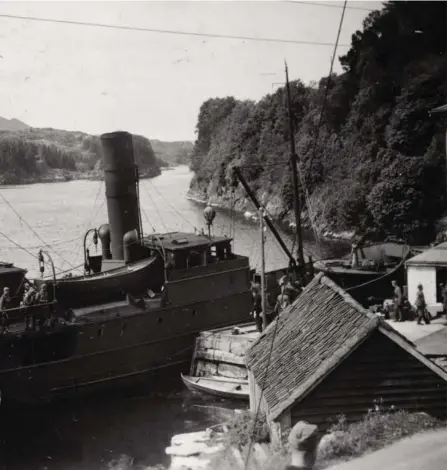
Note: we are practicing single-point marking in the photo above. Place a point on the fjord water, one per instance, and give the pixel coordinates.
(118, 430)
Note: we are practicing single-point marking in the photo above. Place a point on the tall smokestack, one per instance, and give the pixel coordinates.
(121, 188)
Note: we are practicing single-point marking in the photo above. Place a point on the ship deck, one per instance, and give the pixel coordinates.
(97, 313)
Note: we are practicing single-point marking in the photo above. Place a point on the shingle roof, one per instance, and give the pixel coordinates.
(436, 256)
(311, 338)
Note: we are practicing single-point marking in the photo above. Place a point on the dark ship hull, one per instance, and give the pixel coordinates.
(84, 338)
(88, 354)
(369, 281)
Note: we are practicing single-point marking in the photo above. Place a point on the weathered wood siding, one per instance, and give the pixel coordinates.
(378, 371)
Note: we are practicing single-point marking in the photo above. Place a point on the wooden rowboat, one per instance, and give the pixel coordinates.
(218, 386)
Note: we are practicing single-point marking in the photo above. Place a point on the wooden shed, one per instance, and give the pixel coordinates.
(428, 268)
(326, 356)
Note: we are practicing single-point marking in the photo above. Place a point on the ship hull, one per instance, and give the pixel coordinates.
(367, 287)
(99, 355)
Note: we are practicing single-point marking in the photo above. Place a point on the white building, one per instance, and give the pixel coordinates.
(429, 269)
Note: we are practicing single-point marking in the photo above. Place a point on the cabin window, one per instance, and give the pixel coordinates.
(211, 255)
(180, 260)
(194, 259)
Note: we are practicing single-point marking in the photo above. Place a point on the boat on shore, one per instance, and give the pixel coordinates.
(218, 386)
(368, 270)
(137, 309)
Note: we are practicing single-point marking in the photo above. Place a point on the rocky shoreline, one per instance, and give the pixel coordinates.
(273, 206)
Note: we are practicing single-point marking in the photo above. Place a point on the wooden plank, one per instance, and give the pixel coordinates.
(215, 355)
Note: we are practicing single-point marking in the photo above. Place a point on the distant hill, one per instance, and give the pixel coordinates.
(173, 153)
(12, 125)
(44, 155)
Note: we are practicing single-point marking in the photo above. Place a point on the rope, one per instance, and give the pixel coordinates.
(32, 230)
(156, 209)
(379, 278)
(62, 242)
(172, 207)
(265, 378)
(90, 217)
(24, 249)
(328, 83)
(309, 208)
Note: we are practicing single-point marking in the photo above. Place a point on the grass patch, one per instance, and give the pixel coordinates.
(378, 429)
(375, 431)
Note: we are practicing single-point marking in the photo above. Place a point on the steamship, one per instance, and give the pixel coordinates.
(137, 309)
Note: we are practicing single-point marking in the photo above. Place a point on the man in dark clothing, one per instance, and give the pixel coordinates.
(5, 301)
(421, 306)
(398, 298)
(444, 299)
(257, 306)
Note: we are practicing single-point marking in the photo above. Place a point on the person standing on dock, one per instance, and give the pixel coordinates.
(398, 297)
(421, 306)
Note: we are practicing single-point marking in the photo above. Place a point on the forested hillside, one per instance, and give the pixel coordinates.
(377, 165)
(32, 155)
(173, 153)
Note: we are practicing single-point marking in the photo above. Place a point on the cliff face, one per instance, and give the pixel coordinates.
(45, 155)
(370, 160)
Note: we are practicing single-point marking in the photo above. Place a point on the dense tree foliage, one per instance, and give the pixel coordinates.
(377, 166)
(32, 154)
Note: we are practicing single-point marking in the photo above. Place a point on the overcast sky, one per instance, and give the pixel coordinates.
(98, 80)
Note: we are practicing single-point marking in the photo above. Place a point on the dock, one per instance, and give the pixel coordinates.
(221, 352)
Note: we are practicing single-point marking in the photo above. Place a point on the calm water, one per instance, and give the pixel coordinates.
(114, 431)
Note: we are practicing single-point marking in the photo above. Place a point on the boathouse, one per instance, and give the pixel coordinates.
(428, 268)
(326, 356)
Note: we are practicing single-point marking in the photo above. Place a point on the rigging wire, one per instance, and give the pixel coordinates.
(90, 217)
(166, 31)
(171, 206)
(25, 249)
(156, 208)
(32, 230)
(61, 242)
(269, 357)
(328, 83)
(330, 5)
(320, 120)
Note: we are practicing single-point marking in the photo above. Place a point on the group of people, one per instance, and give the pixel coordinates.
(278, 296)
(420, 304)
(31, 296)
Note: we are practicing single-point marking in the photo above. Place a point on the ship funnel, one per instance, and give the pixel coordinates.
(121, 180)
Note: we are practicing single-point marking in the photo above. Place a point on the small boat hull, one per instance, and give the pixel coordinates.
(218, 386)
(106, 286)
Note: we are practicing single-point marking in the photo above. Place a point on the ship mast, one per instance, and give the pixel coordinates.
(261, 226)
(293, 164)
